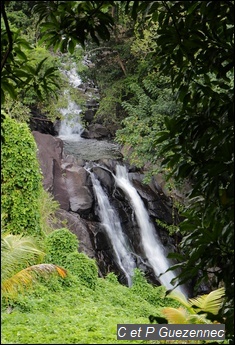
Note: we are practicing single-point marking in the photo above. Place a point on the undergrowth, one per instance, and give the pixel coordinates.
(68, 312)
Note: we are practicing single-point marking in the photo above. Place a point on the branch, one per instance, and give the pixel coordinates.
(99, 48)
(9, 34)
(39, 119)
(121, 64)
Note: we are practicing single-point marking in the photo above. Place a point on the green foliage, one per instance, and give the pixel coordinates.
(151, 294)
(91, 315)
(47, 208)
(21, 264)
(61, 248)
(112, 277)
(45, 80)
(152, 101)
(21, 180)
(65, 24)
(195, 44)
(82, 267)
(206, 121)
(20, 14)
(199, 310)
(16, 109)
(25, 77)
(60, 243)
(18, 252)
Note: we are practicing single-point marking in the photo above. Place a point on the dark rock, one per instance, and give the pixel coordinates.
(49, 156)
(158, 205)
(95, 131)
(40, 123)
(105, 178)
(59, 187)
(80, 196)
(88, 117)
(79, 227)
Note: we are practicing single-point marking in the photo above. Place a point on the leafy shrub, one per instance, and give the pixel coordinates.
(59, 244)
(83, 267)
(21, 303)
(112, 277)
(21, 180)
(48, 207)
(153, 295)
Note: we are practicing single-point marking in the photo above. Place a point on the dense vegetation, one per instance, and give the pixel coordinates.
(21, 180)
(165, 68)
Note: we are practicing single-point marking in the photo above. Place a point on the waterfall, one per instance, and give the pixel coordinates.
(70, 127)
(70, 132)
(112, 226)
(152, 245)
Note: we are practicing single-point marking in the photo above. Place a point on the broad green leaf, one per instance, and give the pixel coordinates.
(39, 66)
(9, 88)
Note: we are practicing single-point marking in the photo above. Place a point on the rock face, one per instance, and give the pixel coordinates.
(80, 196)
(39, 122)
(68, 180)
(50, 155)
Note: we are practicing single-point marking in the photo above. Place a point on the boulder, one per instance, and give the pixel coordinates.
(95, 131)
(158, 204)
(80, 196)
(49, 156)
(78, 227)
(105, 178)
(40, 123)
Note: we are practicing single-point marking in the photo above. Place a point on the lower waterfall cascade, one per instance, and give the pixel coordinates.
(112, 226)
(151, 243)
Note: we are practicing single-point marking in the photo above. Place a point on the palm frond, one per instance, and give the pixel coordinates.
(211, 302)
(27, 276)
(18, 251)
(176, 315)
(180, 297)
(199, 319)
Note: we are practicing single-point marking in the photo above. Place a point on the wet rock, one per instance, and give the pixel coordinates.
(95, 131)
(105, 178)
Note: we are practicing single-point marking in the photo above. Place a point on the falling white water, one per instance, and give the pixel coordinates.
(112, 225)
(72, 75)
(152, 246)
(70, 127)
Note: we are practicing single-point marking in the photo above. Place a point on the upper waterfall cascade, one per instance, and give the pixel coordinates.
(71, 128)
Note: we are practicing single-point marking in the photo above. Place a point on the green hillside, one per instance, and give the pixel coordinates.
(75, 314)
